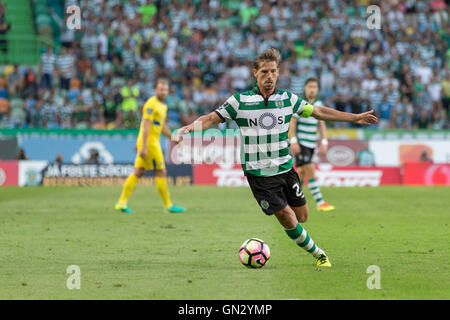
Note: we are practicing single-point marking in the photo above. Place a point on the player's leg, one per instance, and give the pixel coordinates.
(294, 195)
(161, 186)
(292, 190)
(128, 187)
(309, 175)
(276, 195)
(161, 182)
(301, 213)
(300, 160)
(301, 174)
(300, 236)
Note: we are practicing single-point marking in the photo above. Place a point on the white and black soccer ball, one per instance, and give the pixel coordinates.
(254, 253)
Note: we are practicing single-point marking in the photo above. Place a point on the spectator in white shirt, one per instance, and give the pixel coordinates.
(239, 76)
(424, 72)
(47, 68)
(435, 92)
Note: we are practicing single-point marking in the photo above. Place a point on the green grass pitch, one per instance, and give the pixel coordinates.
(154, 255)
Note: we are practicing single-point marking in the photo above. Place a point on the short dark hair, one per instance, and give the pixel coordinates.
(271, 54)
(312, 79)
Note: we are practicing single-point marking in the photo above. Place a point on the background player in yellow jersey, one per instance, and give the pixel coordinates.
(149, 154)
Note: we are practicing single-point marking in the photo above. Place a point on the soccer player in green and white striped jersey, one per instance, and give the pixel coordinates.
(263, 115)
(303, 139)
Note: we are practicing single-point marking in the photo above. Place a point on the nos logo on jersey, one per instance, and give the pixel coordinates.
(266, 121)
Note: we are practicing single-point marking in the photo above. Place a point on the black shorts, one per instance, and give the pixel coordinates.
(276, 192)
(305, 156)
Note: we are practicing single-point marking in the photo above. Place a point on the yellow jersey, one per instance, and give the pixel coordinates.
(155, 111)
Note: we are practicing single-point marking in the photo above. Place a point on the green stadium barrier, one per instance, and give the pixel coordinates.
(344, 134)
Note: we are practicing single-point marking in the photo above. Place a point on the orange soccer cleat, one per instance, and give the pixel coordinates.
(325, 207)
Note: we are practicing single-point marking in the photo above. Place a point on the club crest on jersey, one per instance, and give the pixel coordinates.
(149, 111)
(279, 103)
(264, 204)
(266, 121)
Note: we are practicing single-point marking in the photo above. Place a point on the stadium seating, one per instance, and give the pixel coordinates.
(23, 45)
(215, 44)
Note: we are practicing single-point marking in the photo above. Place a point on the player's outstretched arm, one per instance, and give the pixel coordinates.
(329, 114)
(200, 124)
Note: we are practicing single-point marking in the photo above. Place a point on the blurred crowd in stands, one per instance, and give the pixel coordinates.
(101, 75)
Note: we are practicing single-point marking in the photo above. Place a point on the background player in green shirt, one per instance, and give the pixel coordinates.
(303, 140)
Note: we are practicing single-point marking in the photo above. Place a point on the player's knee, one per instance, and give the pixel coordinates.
(308, 172)
(161, 173)
(303, 217)
(139, 172)
(301, 213)
(287, 218)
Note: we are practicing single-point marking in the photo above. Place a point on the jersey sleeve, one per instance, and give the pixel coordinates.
(302, 107)
(148, 112)
(228, 110)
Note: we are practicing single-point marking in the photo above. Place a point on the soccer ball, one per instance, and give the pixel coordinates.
(254, 253)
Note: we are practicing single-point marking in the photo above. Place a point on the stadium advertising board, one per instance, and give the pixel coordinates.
(32, 173)
(327, 175)
(399, 134)
(354, 176)
(9, 173)
(77, 150)
(113, 146)
(341, 152)
(113, 174)
(223, 175)
(425, 173)
(397, 152)
(215, 151)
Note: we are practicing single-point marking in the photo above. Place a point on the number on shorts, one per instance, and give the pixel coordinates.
(298, 191)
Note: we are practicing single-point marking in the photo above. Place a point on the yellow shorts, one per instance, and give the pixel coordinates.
(153, 161)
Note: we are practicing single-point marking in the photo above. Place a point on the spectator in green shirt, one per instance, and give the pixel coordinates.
(147, 11)
(247, 11)
(81, 113)
(130, 94)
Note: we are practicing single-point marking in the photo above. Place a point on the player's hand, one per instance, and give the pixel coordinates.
(295, 148)
(366, 118)
(182, 131)
(143, 153)
(323, 149)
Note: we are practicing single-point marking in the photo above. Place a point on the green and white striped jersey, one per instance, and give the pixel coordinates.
(307, 129)
(264, 125)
